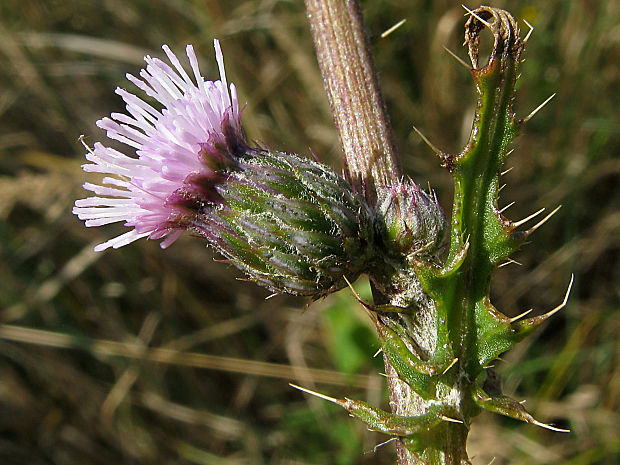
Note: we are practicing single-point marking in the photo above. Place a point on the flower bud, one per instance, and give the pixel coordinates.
(410, 221)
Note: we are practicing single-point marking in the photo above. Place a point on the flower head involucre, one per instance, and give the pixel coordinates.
(199, 118)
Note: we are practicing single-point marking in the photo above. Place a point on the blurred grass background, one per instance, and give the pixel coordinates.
(143, 356)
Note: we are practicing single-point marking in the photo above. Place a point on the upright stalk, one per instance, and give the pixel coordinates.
(438, 330)
(371, 158)
(345, 58)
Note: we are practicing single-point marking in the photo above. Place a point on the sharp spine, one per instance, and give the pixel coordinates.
(506, 207)
(472, 13)
(529, 33)
(437, 152)
(387, 32)
(543, 221)
(317, 394)
(564, 302)
(518, 317)
(537, 109)
(457, 58)
(527, 218)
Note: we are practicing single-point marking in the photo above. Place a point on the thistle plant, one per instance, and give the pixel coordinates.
(294, 226)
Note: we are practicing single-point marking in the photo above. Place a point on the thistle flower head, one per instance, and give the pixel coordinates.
(189, 137)
(291, 224)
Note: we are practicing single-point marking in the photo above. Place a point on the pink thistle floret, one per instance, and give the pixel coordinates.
(181, 141)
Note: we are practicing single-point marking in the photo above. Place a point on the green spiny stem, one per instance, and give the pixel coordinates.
(476, 171)
(467, 328)
(436, 325)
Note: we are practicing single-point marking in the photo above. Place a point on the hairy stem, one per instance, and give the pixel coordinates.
(371, 159)
(345, 58)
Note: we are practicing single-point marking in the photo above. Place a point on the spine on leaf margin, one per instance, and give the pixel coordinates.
(439, 330)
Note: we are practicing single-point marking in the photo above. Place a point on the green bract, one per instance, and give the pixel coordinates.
(291, 224)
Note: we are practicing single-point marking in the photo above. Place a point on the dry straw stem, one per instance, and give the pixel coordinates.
(108, 348)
